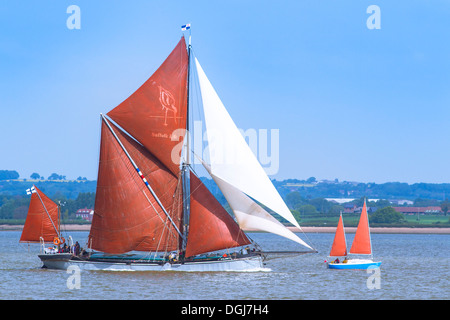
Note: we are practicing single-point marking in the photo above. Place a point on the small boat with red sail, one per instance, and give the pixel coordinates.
(42, 225)
(360, 255)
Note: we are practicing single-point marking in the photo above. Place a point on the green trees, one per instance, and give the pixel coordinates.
(305, 207)
(70, 206)
(294, 199)
(387, 215)
(16, 207)
(35, 176)
(445, 206)
(8, 175)
(55, 176)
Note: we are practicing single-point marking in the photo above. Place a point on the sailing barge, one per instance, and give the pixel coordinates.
(152, 212)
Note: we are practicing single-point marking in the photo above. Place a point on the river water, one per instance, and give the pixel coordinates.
(414, 266)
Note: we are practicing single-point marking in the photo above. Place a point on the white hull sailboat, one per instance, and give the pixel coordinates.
(152, 211)
(141, 263)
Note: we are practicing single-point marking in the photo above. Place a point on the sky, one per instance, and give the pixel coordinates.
(349, 102)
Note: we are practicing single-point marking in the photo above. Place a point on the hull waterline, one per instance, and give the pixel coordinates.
(357, 264)
(64, 261)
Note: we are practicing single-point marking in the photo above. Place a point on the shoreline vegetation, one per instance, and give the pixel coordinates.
(386, 230)
(316, 205)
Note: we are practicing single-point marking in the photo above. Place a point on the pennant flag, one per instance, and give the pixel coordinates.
(186, 27)
(31, 190)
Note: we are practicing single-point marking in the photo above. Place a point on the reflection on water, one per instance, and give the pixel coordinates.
(413, 267)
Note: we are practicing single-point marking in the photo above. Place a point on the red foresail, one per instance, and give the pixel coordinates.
(361, 241)
(42, 219)
(339, 247)
(127, 217)
(210, 226)
(154, 112)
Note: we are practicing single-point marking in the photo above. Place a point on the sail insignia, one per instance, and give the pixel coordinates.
(158, 108)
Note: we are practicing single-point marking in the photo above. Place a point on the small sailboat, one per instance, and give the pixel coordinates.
(152, 211)
(42, 225)
(361, 246)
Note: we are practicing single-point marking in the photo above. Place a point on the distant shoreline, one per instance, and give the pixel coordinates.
(66, 227)
(425, 230)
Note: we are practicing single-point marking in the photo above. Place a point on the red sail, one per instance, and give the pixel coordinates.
(210, 226)
(159, 107)
(361, 241)
(339, 247)
(38, 223)
(126, 215)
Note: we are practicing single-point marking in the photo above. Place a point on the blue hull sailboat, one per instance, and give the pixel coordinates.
(361, 246)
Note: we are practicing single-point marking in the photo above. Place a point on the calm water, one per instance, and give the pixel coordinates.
(414, 267)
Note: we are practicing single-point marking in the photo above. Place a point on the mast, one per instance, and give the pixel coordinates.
(368, 228)
(186, 164)
(59, 217)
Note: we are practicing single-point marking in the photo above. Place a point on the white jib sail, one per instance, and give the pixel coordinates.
(230, 157)
(249, 215)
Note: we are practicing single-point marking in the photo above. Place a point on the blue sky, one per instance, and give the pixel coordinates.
(350, 103)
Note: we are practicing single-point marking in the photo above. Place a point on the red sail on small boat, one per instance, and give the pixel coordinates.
(42, 219)
(361, 242)
(339, 247)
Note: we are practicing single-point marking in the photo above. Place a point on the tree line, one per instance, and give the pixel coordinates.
(382, 210)
(16, 207)
(302, 201)
(8, 174)
(13, 175)
(311, 189)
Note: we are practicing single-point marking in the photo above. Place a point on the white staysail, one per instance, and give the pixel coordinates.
(250, 216)
(230, 157)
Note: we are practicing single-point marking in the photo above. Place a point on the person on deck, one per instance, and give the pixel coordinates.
(77, 248)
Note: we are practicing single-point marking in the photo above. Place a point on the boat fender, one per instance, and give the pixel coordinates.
(56, 241)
